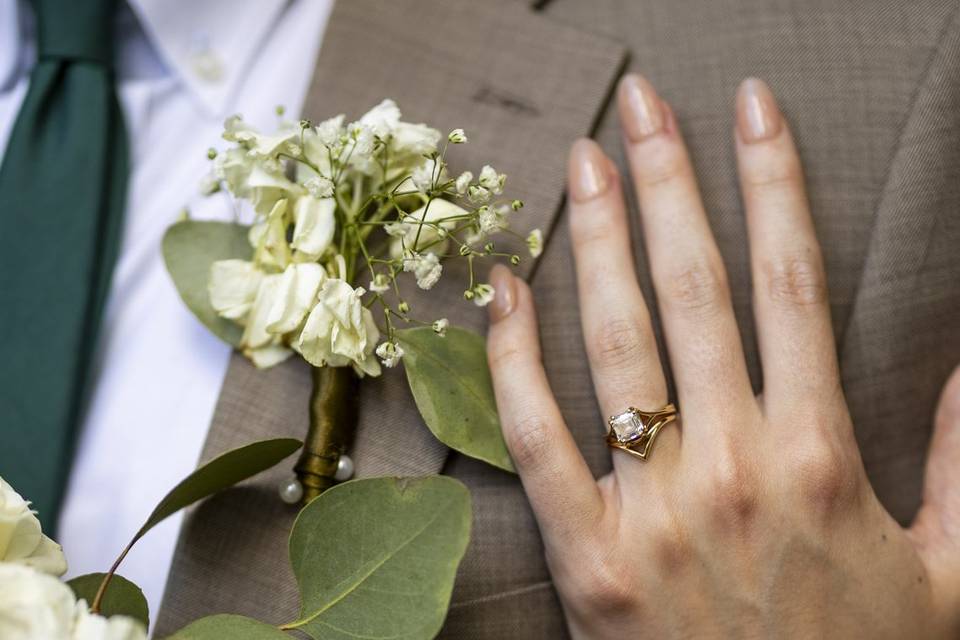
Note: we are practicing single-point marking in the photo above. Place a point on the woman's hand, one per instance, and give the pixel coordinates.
(753, 516)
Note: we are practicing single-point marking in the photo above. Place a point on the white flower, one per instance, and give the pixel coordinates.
(477, 194)
(269, 238)
(457, 136)
(21, 540)
(462, 182)
(233, 287)
(491, 180)
(483, 294)
(262, 347)
(380, 283)
(210, 184)
(382, 119)
(427, 269)
(339, 331)
(36, 606)
(440, 326)
(314, 224)
(90, 626)
(428, 174)
(266, 187)
(490, 220)
(415, 139)
(319, 186)
(295, 295)
(535, 242)
(390, 354)
(432, 221)
(329, 131)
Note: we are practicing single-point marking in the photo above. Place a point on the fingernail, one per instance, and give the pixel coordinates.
(505, 293)
(758, 117)
(640, 108)
(588, 178)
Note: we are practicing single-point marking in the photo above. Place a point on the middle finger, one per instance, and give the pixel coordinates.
(688, 274)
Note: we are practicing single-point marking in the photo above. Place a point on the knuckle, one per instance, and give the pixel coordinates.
(796, 281)
(774, 176)
(596, 226)
(503, 355)
(671, 550)
(609, 589)
(528, 440)
(824, 476)
(661, 169)
(732, 495)
(698, 285)
(620, 340)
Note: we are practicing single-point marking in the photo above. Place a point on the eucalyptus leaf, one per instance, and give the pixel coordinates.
(451, 384)
(229, 626)
(222, 472)
(122, 597)
(190, 247)
(377, 557)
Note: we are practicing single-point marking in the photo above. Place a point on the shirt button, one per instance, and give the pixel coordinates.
(206, 63)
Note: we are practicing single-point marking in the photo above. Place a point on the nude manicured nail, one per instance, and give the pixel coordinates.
(640, 108)
(588, 176)
(758, 116)
(505, 293)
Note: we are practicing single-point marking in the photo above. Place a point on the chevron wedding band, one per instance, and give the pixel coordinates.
(634, 430)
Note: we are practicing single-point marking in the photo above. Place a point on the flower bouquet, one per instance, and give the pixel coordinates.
(343, 216)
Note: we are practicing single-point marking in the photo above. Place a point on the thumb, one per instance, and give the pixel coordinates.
(936, 528)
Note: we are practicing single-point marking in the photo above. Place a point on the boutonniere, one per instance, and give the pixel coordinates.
(344, 220)
(347, 219)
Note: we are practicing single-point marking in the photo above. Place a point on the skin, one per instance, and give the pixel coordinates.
(753, 516)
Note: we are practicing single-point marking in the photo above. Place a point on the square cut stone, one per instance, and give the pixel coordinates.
(627, 426)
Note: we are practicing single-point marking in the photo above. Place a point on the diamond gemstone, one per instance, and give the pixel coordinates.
(627, 426)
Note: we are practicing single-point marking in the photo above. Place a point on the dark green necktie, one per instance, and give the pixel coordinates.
(62, 191)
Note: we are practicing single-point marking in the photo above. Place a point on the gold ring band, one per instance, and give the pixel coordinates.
(634, 430)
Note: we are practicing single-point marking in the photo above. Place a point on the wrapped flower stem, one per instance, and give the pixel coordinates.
(333, 423)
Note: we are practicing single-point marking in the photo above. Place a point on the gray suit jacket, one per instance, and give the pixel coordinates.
(872, 94)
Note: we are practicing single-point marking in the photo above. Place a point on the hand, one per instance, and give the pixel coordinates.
(753, 516)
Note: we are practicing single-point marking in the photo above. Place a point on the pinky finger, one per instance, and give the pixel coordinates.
(558, 483)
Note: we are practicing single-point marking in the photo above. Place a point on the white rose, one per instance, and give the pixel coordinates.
(437, 212)
(339, 331)
(263, 348)
(21, 540)
(90, 626)
(313, 225)
(269, 238)
(35, 606)
(295, 295)
(233, 287)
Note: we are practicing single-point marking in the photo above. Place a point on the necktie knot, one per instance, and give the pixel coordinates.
(75, 30)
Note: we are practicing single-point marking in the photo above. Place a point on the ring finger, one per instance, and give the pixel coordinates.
(619, 337)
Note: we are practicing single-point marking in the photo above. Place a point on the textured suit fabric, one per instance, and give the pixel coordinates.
(871, 95)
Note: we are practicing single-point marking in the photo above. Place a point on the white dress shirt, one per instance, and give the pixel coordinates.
(183, 66)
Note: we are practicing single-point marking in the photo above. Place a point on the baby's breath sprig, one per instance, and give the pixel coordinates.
(342, 212)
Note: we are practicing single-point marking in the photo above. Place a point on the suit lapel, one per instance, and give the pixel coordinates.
(491, 68)
(897, 338)
(523, 88)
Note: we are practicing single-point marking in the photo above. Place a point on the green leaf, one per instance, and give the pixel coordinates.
(220, 473)
(376, 558)
(190, 247)
(122, 597)
(451, 384)
(228, 626)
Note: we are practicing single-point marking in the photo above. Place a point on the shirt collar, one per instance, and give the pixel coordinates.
(209, 45)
